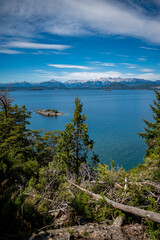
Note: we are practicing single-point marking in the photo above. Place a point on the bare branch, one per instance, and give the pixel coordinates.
(5, 101)
(133, 210)
(148, 183)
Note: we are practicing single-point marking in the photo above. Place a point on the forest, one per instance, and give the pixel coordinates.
(55, 179)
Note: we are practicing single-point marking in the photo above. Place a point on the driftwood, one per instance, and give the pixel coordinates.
(118, 222)
(133, 210)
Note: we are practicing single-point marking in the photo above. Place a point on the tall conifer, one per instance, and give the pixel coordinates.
(152, 131)
(74, 142)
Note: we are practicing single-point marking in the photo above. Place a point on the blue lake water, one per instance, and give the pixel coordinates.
(114, 118)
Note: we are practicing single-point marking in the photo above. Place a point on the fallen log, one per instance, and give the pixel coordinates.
(133, 210)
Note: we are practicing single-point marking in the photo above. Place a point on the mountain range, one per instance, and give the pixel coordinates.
(102, 83)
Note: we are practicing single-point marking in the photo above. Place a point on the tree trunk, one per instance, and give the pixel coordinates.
(133, 210)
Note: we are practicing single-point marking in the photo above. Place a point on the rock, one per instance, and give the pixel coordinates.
(136, 230)
(92, 231)
(49, 113)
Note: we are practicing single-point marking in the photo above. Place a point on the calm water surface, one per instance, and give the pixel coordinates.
(113, 118)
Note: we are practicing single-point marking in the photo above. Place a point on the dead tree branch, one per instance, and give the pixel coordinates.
(145, 183)
(133, 210)
(5, 101)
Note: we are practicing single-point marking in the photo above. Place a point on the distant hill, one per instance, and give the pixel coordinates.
(122, 86)
(102, 83)
(51, 83)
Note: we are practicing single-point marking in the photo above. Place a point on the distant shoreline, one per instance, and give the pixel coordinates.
(69, 89)
(106, 84)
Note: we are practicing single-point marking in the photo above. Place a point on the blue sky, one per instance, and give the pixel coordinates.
(80, 40)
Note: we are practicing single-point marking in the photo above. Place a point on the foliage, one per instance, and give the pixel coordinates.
(152, 230)
(35, 169)
(22, 154)
(109, 174)
(152, 131)
(91, 210)
(80, 204)
(74, 142)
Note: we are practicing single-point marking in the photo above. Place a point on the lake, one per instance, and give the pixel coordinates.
(114, 118)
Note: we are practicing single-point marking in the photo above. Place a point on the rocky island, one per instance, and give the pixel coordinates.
(49, 112)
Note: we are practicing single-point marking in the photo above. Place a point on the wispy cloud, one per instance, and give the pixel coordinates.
(93, 75)
(122, 55)
(105, 64)
(78, 75)
(148, 76)
(12, 47)
(26, 18)
(130, 65)
(9, 51)
(108, 64)
(146, 70)
(31, 45)
(85, 75)
(68, 66)
(150, 48)
(142, 59)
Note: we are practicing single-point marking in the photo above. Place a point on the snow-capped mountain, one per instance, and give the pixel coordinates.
(93, 83)
(107, 81)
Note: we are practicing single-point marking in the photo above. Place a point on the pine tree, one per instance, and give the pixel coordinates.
(23, 153)
(152, 131)
(74, 142)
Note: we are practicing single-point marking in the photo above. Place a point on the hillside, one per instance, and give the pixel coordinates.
(56, 181)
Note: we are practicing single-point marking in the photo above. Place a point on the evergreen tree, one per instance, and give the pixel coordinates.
(23, 153)
(74, 142)
(152, 131)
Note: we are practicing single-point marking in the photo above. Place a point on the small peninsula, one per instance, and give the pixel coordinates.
(49, 112)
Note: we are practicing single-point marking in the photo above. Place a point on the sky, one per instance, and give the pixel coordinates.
(79, 40)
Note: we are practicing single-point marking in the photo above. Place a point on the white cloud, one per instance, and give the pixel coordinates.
(146, 70)
(149, 48)
(72, 17)
(103, 64)
(108, 64)
(148, 76)
(39, 70)
(113, 17)
(77, 75)
(30, 45)
(142, 59)
(106, 53)
(121, 55)
(93, 75)
(130, 65)
(8, 51)
(68, 66)
(64, 75)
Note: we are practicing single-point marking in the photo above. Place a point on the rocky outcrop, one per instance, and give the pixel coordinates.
(93, 231)
(49, 113)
